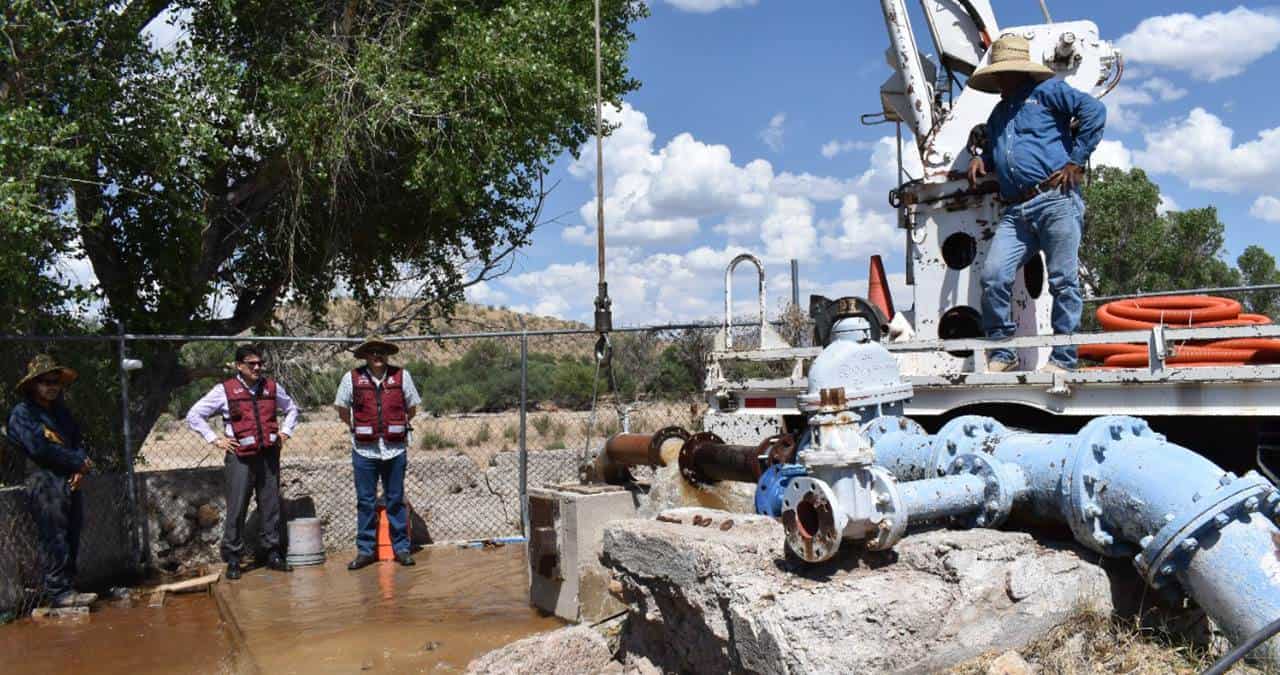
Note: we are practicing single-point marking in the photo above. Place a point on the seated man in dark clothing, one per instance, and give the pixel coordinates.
(42, 427)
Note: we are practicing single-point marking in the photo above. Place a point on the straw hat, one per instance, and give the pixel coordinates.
(41, 365)
(1010, 54)
(374, 342)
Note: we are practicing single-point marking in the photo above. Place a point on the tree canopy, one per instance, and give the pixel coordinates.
(279, 151)
(1130, 246)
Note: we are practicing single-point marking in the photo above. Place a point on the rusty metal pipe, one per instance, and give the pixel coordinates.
(623, 451)
(706, 458)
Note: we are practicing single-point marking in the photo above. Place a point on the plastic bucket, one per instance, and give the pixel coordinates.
(306, 542)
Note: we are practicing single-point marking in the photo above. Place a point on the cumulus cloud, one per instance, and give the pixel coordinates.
(708, 6)
(1266, 208)
(772, 135)
(859, 232)
(1113, 153)
(836, 147)
(1166, 205)
(1210, 47)
(1121, 103)
(1200, 150)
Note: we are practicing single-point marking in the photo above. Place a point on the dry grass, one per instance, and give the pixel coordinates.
(1098, 644)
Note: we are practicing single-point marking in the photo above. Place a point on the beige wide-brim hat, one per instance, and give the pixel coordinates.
(41, 365)
(1009, 54)
(374, 342)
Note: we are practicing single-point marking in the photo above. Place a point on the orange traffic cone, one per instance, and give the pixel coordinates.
(385, 549)
(878, 287)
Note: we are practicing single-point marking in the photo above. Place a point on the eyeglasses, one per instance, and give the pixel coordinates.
(50, 381)
(375, 355)
(254, 364)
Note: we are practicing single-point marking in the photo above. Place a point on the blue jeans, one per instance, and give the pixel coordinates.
(1051, 222)
(59, 515)
(367, 473)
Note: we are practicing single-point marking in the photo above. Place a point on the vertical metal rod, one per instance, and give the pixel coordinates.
(524, 452)
(795, 282)
(599, 156)
(130, 493)
(902, 210)
(1045, 8)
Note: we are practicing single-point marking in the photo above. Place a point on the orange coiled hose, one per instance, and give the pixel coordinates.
(1200, 311)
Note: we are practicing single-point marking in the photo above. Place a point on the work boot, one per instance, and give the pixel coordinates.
(1001, 365)
(277, 563)
(233, 569)
(361, 560)
(73, 599)
(404, 558)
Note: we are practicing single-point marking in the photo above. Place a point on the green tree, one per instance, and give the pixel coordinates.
(1130, 247)
(279, 150)
(1259, 267)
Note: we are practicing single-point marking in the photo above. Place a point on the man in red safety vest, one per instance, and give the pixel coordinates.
(377, 402)
(249, 404)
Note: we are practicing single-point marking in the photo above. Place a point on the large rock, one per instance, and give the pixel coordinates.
(705, 599)
(568, 651)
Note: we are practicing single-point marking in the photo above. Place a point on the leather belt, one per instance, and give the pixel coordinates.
(1033, 191)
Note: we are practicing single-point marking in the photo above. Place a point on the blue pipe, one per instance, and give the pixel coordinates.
(1125, 492)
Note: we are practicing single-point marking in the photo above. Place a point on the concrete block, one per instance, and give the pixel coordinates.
(567, 525)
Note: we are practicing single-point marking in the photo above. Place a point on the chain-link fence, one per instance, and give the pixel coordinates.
(474, 448)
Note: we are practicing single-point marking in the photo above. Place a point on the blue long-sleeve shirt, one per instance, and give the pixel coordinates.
(48, 436)
(1029, 134)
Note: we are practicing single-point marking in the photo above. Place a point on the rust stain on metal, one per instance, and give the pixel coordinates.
(726, 525)
(669, 519)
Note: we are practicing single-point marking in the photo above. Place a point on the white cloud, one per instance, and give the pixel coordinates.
(708, 6)
(1113, 153)
(1166, 205)
(835, 147)
(1209, 47)
(1199, 149)
(1121, 115)
(484, 293)
(772, 135)
(167, 30)
(1266, 208)
(860, 232)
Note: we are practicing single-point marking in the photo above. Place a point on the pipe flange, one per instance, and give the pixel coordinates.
(893, 513)
(890, 424)
(1170, 549)
(968, 434)
(1002, 483)
(1099, 437)
(660, 438)
(779, 449)
(809, 516)
(688, 451)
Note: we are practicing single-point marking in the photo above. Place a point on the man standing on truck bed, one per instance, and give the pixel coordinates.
(378, 401)
(249, 404)
(1039, 164)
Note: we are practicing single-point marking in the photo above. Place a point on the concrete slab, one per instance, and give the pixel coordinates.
(454, 605)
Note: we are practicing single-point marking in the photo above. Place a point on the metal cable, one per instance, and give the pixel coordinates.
(599, 156)
(1243, 649)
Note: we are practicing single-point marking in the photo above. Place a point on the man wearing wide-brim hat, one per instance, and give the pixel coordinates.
(1039, 163)
(377, 401)
(42, 427)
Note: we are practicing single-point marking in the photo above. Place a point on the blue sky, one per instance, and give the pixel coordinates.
(744, 136)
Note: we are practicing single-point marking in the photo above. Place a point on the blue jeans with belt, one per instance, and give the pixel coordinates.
(1051, 222)
(367, 474)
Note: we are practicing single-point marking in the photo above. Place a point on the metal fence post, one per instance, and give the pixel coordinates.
(130, 492)
(524, 451)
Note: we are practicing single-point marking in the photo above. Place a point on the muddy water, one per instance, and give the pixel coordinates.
(670, 490)
(184, 636)
(453, 606)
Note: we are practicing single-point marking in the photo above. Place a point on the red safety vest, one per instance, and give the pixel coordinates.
(253, 419)
(378, 412)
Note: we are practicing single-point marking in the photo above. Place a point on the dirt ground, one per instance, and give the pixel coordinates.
(480, 436)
